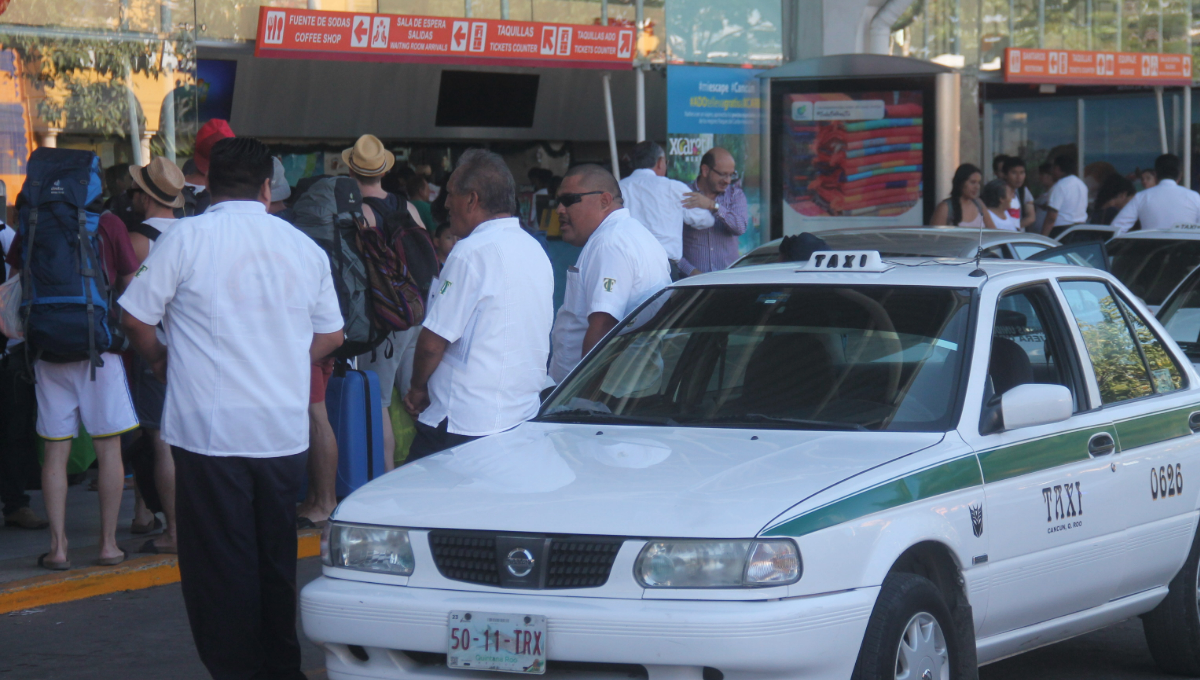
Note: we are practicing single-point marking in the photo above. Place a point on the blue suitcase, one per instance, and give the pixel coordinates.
(355, 412)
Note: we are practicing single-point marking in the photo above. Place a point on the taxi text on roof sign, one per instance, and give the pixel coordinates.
(1077, 67)
(349, 36)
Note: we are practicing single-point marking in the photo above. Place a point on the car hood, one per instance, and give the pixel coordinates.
(620, 480)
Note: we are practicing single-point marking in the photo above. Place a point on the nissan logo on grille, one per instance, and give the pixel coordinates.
(519, 562)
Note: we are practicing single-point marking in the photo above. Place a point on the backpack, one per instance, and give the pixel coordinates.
(145, 230)
(411, 242)
(193, 203)
(66, 292)
(330, 213)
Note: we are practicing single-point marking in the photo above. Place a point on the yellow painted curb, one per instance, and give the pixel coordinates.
(133, 574)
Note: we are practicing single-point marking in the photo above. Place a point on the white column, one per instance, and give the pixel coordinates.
(314, 4)
(147, 135)
(1079, 134)
(1162, 119)
(50, 137)
(1187, 136)
(503, 9)
(131, 105)
(612, 130)
(639, 76)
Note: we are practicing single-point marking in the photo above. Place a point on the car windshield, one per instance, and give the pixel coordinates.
(1181, 316)
(809, 357)
(1152, 267)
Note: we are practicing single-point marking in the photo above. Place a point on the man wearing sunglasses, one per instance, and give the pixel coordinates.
(716, 190)
(621, 265)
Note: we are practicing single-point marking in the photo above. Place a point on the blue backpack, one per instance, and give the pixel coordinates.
(63, 280)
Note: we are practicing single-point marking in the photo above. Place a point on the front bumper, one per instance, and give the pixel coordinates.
(808, 637)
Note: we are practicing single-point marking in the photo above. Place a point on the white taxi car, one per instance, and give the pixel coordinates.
(850, 467)
(1152, 263)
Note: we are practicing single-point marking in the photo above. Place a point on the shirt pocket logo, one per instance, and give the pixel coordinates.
(608, 285)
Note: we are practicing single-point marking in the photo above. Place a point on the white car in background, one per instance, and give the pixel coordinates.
(850, 467)
(1086, 232)
(919, 242)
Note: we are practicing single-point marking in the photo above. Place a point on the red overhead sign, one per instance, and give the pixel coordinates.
(1076, 67)
(313, 34)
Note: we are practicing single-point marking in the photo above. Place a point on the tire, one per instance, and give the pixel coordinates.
(910, 615)
(1173, 627)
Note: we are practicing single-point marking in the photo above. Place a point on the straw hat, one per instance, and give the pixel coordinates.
(162, 180)
(368, 157)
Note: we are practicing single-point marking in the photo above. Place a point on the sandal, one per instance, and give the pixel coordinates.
(52, 565)
(112, 561)
(135, 528)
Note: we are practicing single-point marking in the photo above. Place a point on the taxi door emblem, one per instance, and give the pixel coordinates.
(977, 519)
(608, 285)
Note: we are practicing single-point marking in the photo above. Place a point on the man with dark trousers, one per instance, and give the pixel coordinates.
(247, 304)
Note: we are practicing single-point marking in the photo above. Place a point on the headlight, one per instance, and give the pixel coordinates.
(366, 548)
(718, 564)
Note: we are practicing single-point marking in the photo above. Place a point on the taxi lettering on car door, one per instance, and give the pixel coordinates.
(1051, 496)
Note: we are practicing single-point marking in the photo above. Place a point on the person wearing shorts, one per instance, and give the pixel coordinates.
(321, 496)
(66, 396)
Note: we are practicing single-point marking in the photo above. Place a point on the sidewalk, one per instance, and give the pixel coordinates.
(24, 585)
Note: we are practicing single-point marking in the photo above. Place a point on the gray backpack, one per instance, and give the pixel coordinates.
(330, 213)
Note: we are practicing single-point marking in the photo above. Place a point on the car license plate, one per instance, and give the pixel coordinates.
(512, 643)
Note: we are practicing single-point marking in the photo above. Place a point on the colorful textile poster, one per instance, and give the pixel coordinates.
(853, 155)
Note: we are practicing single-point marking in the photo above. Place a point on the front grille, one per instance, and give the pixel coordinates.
(570, 562)
(580, 562)
(465, 557)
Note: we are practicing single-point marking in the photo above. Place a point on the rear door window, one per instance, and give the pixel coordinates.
(1128, 359)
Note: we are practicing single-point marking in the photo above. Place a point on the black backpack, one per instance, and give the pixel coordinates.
(410, 240)
(330, 213)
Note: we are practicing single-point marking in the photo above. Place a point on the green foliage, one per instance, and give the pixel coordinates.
(72, 65)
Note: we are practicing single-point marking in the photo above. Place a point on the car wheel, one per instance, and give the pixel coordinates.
(1173, 627)
(911, 634)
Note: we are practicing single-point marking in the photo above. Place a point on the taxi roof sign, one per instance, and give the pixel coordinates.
(846, 261)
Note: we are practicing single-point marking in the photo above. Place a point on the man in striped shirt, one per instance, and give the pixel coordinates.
(708, 249)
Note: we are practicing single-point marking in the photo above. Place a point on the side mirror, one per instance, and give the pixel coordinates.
(1035, 404)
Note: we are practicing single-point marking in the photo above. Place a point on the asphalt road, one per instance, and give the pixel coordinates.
(144, 634)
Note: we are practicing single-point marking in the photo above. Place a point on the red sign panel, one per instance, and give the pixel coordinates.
(1076, 67)
(312, 34)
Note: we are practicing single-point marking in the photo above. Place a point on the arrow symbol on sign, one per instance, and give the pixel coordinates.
(460, 35)
(548, 41)
(360, 32)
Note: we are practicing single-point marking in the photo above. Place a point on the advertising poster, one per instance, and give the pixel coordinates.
(852, 160)
(711, 106)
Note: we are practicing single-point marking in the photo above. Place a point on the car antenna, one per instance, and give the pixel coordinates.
(979, 254)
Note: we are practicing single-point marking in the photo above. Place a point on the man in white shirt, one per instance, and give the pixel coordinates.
(247, 302)
(480, 362)
(620, 267)
(1164, 205)
(657, 202)
(1068, 198)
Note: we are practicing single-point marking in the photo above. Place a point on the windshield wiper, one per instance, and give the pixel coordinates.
(801, 423)
(582, 415)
